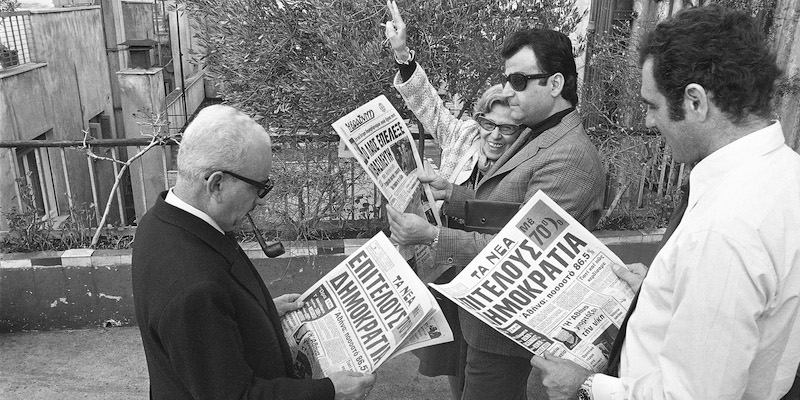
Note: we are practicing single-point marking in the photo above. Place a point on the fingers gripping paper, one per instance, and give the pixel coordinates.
(546, 282)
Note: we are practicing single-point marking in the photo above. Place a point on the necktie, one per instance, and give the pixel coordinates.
(614, 356)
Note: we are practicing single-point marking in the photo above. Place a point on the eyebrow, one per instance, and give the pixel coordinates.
(495, 122)
(648, 102)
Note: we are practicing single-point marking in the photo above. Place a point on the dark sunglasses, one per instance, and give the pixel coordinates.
(489, 125)
(519, 81)
(263, 187)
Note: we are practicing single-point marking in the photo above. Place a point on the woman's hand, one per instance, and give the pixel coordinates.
(396, 32)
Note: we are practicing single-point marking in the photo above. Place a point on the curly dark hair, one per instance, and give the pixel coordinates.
(553, 52)
(719, 49)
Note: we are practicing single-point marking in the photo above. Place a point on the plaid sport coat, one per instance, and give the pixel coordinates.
(564, 164)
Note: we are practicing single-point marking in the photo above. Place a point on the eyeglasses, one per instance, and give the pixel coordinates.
(519, 81)
(489, 125)
(263, 187)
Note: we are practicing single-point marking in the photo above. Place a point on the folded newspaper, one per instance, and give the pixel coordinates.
(369, 308)
(546, 282)
(382, 143)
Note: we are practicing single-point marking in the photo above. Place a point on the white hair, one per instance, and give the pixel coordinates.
(217, 139)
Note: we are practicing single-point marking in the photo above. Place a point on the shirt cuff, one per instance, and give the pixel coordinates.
(606, 387)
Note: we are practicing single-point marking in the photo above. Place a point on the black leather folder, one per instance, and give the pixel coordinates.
(488, 216)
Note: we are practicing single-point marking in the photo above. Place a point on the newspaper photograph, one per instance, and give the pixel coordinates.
(434, 330)
(546, 282)
(380, 140)
(359, 314)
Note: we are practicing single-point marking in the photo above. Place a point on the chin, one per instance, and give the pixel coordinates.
(493, 155)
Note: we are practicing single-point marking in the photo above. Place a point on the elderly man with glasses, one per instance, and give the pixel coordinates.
(552, 154)
(209, 326)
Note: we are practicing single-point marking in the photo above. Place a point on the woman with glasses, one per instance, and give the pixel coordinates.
(469, 149)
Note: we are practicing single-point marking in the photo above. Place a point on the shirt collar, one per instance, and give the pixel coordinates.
(173, 200)
(709, 171)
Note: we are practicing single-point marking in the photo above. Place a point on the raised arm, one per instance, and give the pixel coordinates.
(420, 96)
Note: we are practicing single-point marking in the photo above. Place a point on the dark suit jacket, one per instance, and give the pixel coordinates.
(209, 326)
(565, 165)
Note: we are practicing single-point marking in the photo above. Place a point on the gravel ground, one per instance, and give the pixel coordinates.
(110, 364)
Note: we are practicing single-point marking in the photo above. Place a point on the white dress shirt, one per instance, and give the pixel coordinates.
(718, 311)
(174, 200)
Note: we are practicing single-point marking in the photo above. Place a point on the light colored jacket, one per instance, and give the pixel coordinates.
(459, 140)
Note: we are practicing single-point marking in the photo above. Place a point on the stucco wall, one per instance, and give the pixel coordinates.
(63, 94)
(138, 19)
(71, 42)
(786, 43)
(83, 288)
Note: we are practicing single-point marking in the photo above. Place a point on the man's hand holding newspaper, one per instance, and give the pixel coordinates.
(561, 376)
(547, 283)
(366, 310)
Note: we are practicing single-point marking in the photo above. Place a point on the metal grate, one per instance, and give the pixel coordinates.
(16, 40)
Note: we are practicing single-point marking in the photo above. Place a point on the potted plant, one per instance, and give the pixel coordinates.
(8, 57)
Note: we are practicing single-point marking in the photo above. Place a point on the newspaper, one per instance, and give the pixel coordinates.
(546, 282)
(382, 143)
(367, 309)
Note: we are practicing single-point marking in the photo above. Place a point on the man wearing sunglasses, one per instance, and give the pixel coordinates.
(552, 154)
(209, 326)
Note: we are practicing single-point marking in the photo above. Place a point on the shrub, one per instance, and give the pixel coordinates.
(634, 156)
(298, 65)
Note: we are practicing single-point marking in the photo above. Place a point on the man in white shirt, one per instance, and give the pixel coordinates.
(717, 315)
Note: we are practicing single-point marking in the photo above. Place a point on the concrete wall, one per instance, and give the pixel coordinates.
(183, 43)
(143, 100)
(786, 43)
(84, 288)
(69, 88)
(23, 115)
(138, 19)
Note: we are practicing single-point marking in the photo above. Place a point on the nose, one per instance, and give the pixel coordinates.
(495, 134)
(507, 90)
(649, 120)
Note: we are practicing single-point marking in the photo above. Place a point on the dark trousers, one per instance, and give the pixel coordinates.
(495, 376)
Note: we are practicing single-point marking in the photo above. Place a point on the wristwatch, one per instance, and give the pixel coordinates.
(435, 240)
(585, 392)
(411, 54)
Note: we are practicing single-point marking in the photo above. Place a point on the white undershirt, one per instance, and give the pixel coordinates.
(173, 200)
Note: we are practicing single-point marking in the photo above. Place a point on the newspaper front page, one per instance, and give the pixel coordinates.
(546, 282)
(382, 143)
(368, 308)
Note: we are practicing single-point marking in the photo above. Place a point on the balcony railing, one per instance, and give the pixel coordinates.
(16, 39)
(298, 200)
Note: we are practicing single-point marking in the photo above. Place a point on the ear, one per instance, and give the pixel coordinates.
(556, 83)
(696, 101)
(214, 185)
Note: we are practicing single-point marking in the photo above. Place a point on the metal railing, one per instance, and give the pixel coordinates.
(179, 102)
(315, 189)
(16, 40)
(46, 191)
(289, 204)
